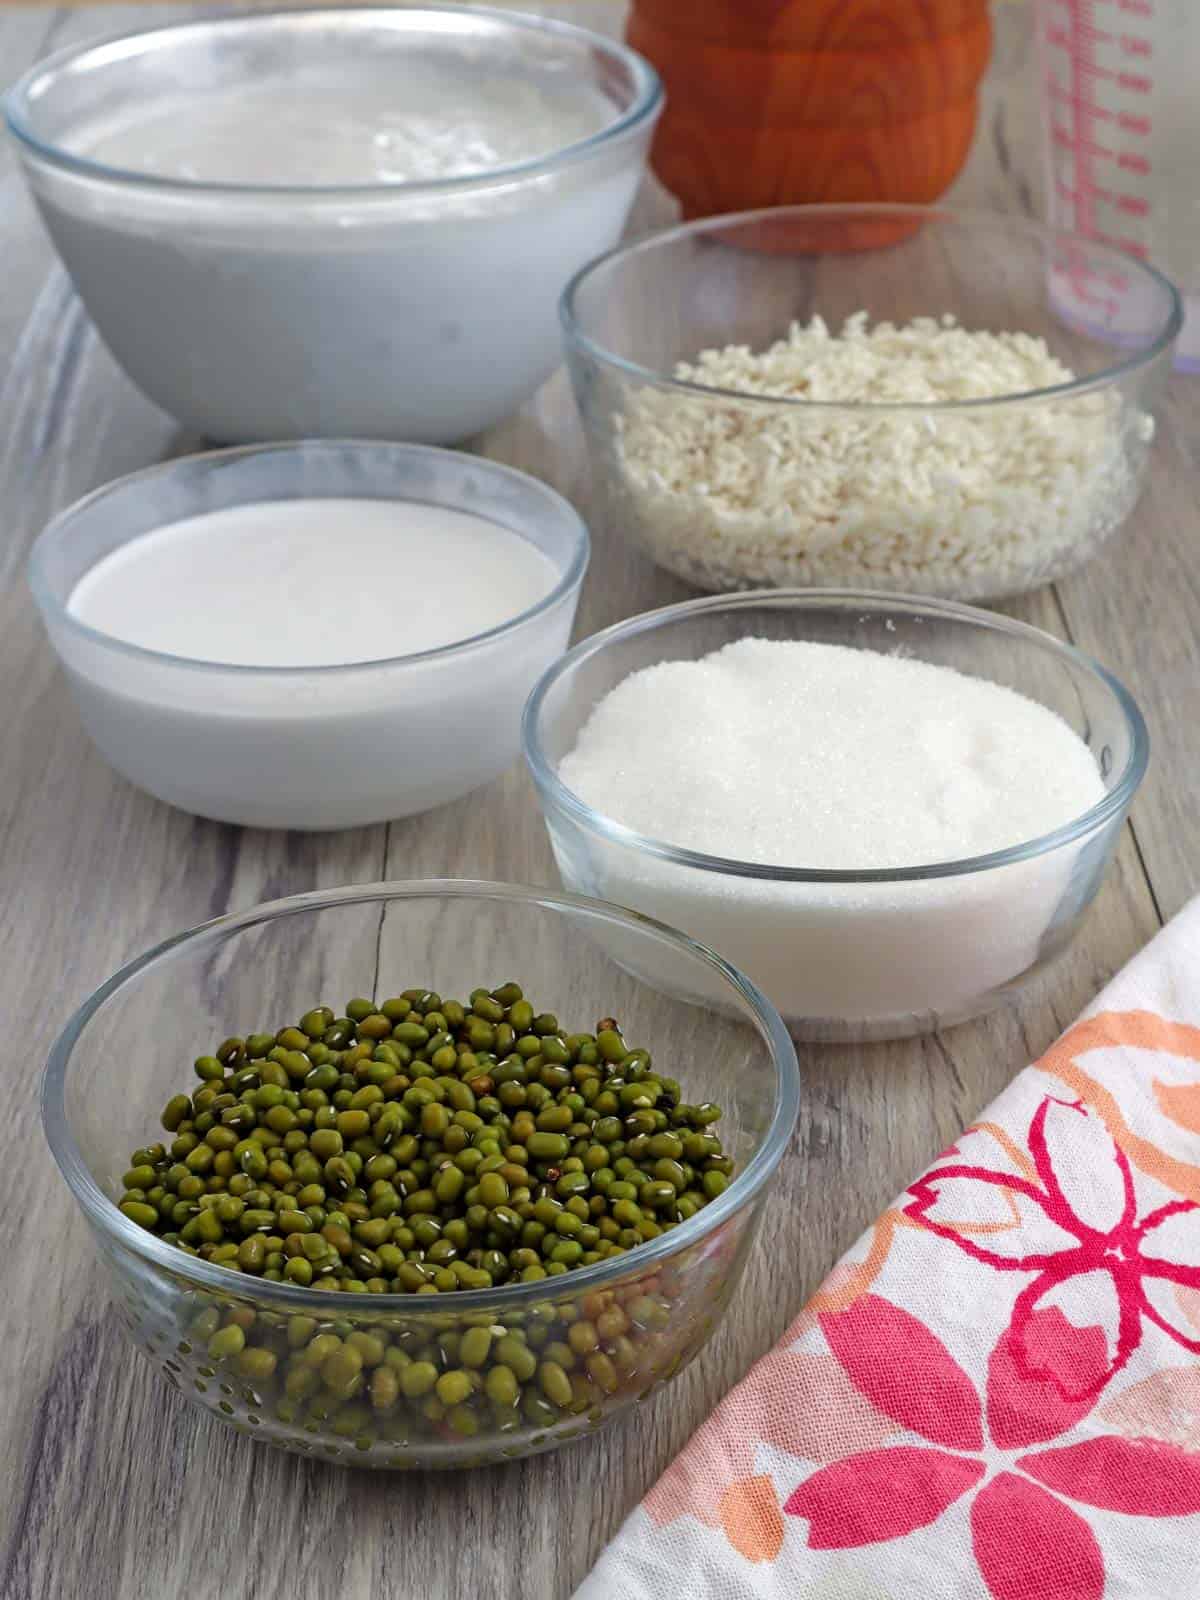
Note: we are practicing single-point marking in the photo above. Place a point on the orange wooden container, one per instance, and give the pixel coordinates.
(778, 102)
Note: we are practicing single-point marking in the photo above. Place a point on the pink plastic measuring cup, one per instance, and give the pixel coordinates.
(1121, 125)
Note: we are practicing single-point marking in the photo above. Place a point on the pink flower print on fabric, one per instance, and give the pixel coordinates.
(801, 1401)
(1029, 1544)
(1126, 1268)
(805, 1404)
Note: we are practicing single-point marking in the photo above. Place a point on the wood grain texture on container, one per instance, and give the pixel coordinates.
(794, 101)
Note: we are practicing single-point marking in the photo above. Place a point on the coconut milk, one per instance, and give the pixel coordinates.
(313, 583)
(352, 128)
(283, 259)
(300, 683)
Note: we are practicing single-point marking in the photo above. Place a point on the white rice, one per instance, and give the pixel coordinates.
(976, 503)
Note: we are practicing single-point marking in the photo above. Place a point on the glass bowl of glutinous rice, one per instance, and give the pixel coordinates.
(424, 1174)
(888, 397)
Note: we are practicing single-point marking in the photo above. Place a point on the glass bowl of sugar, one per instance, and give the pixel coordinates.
(318, 635)
(335, 222)
(889, 812)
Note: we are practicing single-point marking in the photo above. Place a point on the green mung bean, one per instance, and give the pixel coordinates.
(423, 1147)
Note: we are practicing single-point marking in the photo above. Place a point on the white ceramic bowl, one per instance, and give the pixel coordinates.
(385, 309)
(300, 747)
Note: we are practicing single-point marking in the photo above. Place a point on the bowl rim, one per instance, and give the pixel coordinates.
(577, 340)
(105, 1216)
(647, 102)
(557, 796)
(58, 528)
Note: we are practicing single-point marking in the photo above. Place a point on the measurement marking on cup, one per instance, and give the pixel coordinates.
(1066, 98)
(1085, 210)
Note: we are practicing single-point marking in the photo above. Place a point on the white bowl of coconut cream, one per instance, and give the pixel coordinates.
(351, 223)
(316, 635)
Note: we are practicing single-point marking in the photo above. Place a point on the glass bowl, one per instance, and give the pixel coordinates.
(875, 954)
(258, 310)
(130, 1046)
(308, 747)
(965, 499)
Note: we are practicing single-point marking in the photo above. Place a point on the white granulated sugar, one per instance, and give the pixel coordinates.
(810, 755)
(799, 754)
(975, 503)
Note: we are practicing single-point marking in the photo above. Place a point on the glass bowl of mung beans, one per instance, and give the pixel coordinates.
(420, 1175)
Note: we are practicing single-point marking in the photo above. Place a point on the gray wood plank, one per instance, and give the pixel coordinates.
(114, 1485)
(1136, 608)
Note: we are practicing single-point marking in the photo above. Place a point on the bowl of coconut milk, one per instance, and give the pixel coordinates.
(318, 635)
(335, 223)
(890, 812)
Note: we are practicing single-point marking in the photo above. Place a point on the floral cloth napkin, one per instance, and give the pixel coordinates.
(997, 1393)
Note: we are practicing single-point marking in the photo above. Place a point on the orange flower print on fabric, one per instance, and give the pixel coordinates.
(1109, 1035)
(1166, 1406)
(751, 1518)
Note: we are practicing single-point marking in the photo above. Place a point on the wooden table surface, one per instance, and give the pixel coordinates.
(111, 1486)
